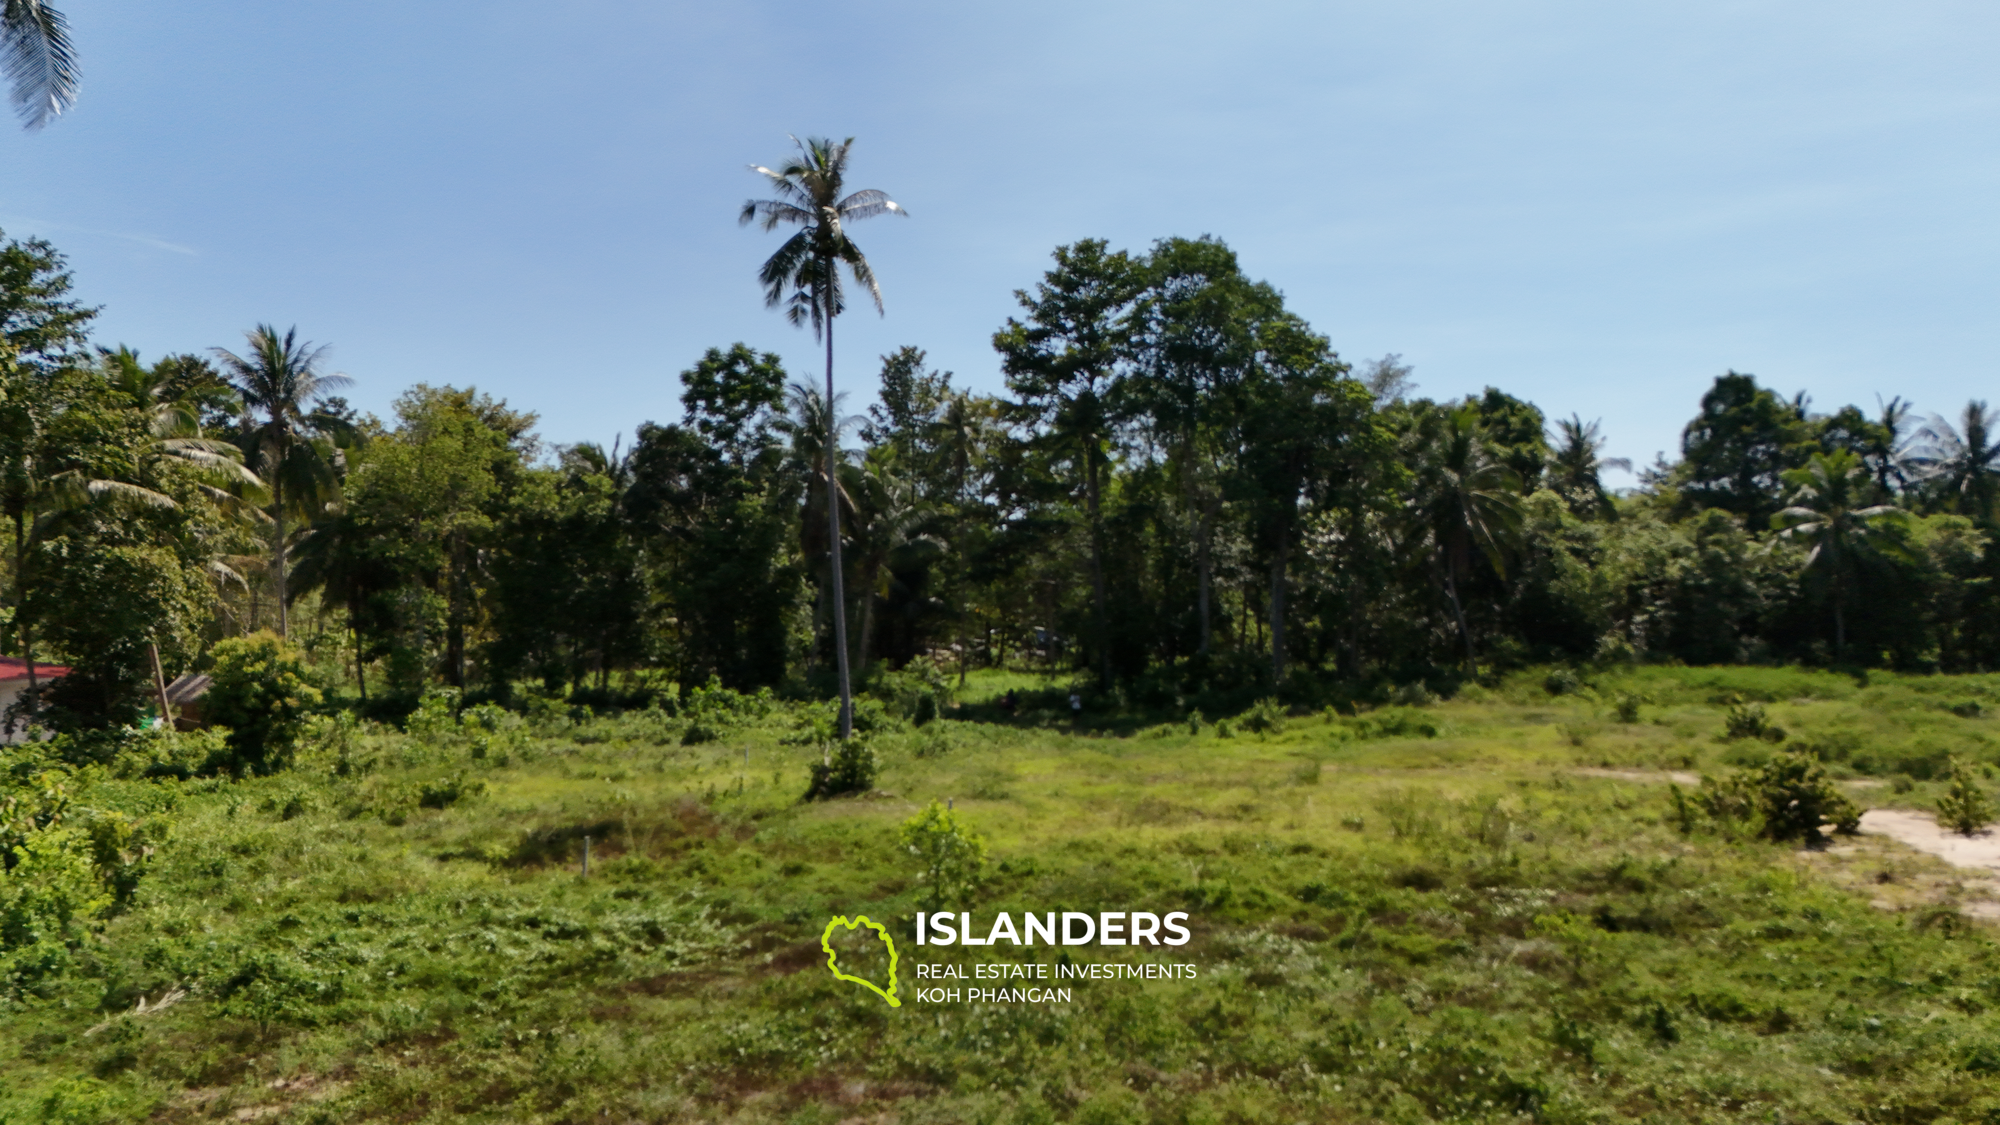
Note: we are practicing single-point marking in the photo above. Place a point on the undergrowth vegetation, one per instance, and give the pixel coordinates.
(1510, 904)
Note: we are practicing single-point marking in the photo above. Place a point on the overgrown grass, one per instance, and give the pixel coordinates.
(1403, 913)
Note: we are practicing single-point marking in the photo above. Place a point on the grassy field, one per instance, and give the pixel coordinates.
(1477, 909)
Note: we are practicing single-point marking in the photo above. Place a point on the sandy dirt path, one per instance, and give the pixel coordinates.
(1918, 830)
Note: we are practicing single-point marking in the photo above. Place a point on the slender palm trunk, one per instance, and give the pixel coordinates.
(360, 659)
(1464, 630)
(1278, 559)
(1205, 554)
(278, 509)
(833, 528)
(21, 608)
(874, 571)
(1100, 642)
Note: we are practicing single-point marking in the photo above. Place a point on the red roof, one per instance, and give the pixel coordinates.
(14, 668)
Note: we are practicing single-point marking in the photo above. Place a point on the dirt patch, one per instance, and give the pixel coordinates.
(1921, 832)
(1678, 777)
(1904, 862)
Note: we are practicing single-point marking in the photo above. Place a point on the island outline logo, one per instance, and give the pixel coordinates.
(832, 958)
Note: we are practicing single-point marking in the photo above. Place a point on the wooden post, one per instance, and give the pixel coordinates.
(160, 686)
(586, 857)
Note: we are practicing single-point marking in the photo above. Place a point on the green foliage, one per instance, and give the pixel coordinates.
(1748, 720)
(1797, 798)
(1267, 716)
(850, 769)
(1965, 808)
(953, 857)
(261, 694)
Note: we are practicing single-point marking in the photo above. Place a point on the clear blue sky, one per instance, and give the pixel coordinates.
(1595, 206)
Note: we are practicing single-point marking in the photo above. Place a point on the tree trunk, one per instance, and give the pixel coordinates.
(278, 551)
(1278, 559)
(1205, 533)
(868, 616)
(833, 526)
(160, 686)
(21, 610)
(454, 629)
(1100, 643)
(1464, 630)
(360, 661)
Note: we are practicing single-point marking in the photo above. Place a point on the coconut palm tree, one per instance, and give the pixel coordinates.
(809, 191)
(1465, 500)
(36, 56)
(1961, 463)
(1576, 466)
(1826, 511)
(280, 379)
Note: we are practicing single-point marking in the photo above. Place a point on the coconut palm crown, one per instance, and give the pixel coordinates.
(36, 57)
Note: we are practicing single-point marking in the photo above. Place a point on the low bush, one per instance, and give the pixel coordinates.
(1965, 807)
(261, 694)
(850, 768)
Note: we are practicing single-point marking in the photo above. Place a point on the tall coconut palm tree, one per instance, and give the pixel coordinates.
(1826, 511)
(281, 381)
(809, 191)
(1961, 463)
(1465, 500)
(1576, 466)
(36, 56)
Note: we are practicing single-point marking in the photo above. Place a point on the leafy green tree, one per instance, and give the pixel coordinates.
(1196, 339)
(1737, 449)
(37, 58)
(810, 191)
(1517, 434)
(952, 855)
(431, 495)
(289, 446)
(712, 506)
(568, 597)
(1303, 425)
(1828, 511)
(44, 326)
(1063, 363)
(261, 692)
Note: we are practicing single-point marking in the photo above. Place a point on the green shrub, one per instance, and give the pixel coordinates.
(261, 694)
(1748, 720)
(1627, 707)
(436, 716)
(1965, 808)
(849, 769)
(935, 743)
(1562, 681)
(445, 792)
(952, 856)
(1267, 716)
(1796, 798)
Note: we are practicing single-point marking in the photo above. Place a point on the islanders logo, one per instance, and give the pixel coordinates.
(833, 959)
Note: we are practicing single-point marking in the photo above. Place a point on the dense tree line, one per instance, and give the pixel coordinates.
(1184, 488)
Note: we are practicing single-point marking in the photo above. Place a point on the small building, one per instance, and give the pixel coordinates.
(13, 684)
(184, 696)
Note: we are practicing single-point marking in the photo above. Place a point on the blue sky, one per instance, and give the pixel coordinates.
(1597, 207)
